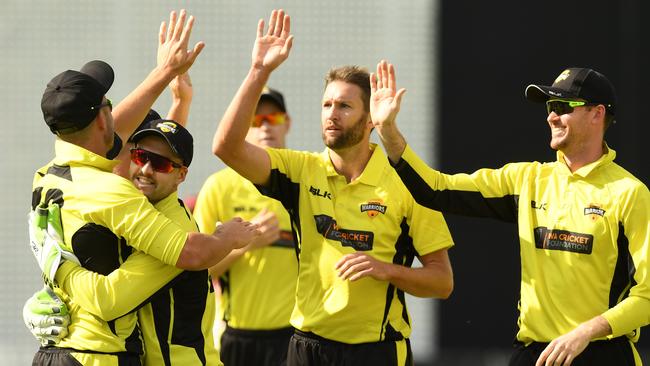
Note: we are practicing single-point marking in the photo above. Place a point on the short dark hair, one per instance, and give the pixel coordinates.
(352, 74)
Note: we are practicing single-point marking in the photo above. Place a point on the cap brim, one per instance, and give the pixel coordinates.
(542, 93)
(100, 71)
(154, 132)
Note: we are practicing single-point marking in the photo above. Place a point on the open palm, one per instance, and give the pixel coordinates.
(385, 99)
(272, 48)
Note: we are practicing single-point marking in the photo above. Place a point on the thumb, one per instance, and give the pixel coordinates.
(397, 101)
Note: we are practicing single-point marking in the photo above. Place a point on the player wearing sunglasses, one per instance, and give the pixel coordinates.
(104, 218)
(263, 272)
(583, 227)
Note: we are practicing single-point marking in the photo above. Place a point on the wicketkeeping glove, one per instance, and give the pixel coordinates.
(46, 316)
(46, 238)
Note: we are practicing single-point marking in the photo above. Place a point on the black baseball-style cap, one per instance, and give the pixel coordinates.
(577, 83)
(71, 99)
(274, 97)
(177, 136)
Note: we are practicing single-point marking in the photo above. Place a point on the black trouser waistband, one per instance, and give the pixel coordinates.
(51, 349)
(265, 333)
(316, 337)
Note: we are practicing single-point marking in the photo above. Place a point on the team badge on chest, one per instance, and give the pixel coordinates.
(594, 211)
(373, 208)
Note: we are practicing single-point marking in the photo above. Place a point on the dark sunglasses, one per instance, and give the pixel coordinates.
(108, 104)
(273, 119)
(159, 163)
(561, 106)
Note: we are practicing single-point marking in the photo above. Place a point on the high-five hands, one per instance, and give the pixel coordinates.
(272, 48)
(173, 55)
(385, 99)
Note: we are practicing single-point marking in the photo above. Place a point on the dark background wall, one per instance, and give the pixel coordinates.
(490, 51)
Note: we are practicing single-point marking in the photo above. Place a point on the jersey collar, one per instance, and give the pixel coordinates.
(71, 154)
(583, 172)
(169, 201)
(373, 171)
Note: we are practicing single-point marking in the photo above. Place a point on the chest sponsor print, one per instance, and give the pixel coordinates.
(563, 240)
(357, 239)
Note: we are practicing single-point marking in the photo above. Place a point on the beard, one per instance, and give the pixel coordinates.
(348, 137)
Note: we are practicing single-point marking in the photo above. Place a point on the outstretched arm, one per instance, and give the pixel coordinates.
(229, 143)
(385, 101)
(173, 59)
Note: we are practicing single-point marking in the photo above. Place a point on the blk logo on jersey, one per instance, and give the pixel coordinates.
(538, 205)
(593, 211)
(563, 240)
(373, 208)
(357, 239)
(318, 193)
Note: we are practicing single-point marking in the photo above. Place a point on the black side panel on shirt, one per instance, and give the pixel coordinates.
(404, 254)
(98, 249)
(457, 202)
(623, 278)
(284, 190)
(190, 296)
(190, 291)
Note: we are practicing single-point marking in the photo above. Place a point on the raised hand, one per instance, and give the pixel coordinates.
(385, 99)
(272, 48)
(173, 55)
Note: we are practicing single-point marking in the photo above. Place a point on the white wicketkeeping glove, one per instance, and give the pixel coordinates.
(46, 316)
(46, 238)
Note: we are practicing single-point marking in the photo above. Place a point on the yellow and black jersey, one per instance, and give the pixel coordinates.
(102, 212)
(258, 290)
(375, 214)
(176, 307)
(584, 236)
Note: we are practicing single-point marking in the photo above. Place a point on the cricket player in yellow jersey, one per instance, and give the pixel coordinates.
(101, 212)
(583, 223)
(358, 228)
(258, 282)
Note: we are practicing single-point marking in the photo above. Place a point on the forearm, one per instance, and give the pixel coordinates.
(393, 141)
(129, 113)
(436, 282)
(109, 297)
(180, 111)
(229, 138)
(597, 327)
(202, 251)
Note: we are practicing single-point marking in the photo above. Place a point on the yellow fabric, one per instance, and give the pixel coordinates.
(374, 213)
(260, 286)
(135, 281)
(571, 228)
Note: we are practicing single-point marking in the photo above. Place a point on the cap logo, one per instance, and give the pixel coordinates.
(167, 127)
(563, 76)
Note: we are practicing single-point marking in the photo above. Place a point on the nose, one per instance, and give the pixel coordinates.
(147, 169)
(552, 118)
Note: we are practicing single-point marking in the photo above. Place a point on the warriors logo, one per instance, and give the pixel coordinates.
(373, 208)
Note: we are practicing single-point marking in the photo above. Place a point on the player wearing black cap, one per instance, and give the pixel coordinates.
(103, 216)
(583, 226)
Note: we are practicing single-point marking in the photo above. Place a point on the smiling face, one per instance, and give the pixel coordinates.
(153, 184)
(344, 120)
(570, 132)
